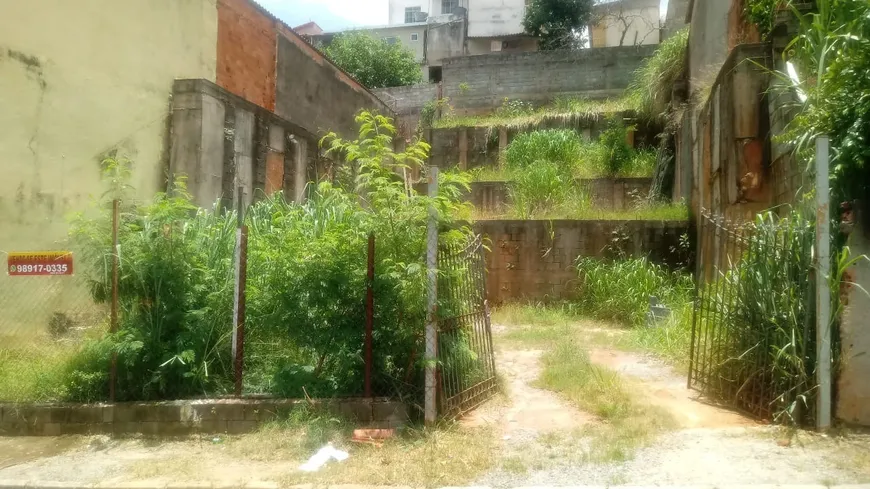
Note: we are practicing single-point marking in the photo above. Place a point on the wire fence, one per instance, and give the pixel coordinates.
(753, 334)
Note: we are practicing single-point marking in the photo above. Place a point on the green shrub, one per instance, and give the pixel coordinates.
(557, 146)
(615, 151)
(541, 187)
(620, 289)
(305, 289)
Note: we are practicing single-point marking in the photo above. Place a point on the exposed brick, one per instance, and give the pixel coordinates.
(246, 52)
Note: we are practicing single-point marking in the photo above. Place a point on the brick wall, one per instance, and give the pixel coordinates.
(539, 77)
(534, 260)
(262, 60)
(246, 52)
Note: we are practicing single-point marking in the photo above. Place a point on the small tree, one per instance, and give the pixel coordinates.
(374, 62)
(557, 23)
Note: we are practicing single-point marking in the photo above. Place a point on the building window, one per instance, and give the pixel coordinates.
(411, 14)
(448, 6)
(391, 40)
(414, 36)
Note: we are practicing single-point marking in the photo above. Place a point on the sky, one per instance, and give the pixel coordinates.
(333, 15)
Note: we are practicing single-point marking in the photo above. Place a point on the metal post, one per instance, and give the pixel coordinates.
(370, 314)
(113, 325)
(241, 265)
(430, 412)
(823, 290)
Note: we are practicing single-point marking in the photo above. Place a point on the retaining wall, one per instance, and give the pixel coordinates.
(534, 260)
(606, 193)
(477, 84)
(183, 417)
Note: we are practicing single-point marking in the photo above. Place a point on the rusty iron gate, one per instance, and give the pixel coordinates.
(466, 362)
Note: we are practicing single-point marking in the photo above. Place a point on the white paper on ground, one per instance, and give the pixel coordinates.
(323, 456)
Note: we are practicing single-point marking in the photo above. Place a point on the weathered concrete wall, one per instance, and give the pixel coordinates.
(511, 44)
(445, 40)
(315, 94)
(539, 77)
(534, 260)
(222, 142)
(731, 150)
(853, 386)
(80, 81)
(675, 19)
(173, 418)
(408, 100)
(716, 28)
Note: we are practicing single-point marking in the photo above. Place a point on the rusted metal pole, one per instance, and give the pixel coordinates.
(113, 324)
(241, 260)
(370, 314)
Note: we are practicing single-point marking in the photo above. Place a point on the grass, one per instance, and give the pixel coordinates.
(628, 423)
(447, 455)
(669, 341)
(566, 109)
(33, 369)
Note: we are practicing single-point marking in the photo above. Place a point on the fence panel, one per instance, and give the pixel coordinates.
(465, 351)
(753, 334)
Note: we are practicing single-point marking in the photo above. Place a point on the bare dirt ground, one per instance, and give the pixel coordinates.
(712, 446)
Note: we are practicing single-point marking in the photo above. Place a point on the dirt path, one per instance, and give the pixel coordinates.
(530, 411)
(712, 446)
(663, 387)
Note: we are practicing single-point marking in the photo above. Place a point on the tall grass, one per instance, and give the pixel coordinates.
(620, 290)
(650, 89)
(566, 110)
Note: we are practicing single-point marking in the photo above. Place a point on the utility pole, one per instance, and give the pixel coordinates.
(430, 408)
(823, 288)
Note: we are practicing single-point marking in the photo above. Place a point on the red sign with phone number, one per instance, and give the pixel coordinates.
(40, 263)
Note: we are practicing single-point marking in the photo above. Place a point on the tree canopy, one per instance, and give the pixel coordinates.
(374, 62)
(557, 23)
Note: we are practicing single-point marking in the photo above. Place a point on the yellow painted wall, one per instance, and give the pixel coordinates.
(77, 80)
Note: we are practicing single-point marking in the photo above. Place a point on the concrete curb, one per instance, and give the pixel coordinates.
(14, 484)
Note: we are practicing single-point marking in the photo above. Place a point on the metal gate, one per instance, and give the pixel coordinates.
(466, 363)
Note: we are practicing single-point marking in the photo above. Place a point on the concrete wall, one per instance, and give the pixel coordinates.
(716, 28)
(445, 40)
(534, 260)
(731, 152)
(539, 77)
(315, 94)
(493, 18)
(80, 81)
(853, 387)
(178, 418)
(223, 142)
(512, 44)
(675, 19)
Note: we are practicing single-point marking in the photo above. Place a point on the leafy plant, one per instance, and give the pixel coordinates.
(762, 13)
(559, 147)
(374, 62)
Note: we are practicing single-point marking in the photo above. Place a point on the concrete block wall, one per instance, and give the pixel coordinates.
(177, 418)
(534, 260)
(539, 77)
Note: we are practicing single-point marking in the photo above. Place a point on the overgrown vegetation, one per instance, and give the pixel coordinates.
(620, 289)
(305, 301)
(651, 87)
(513, 115)
(374, 62)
